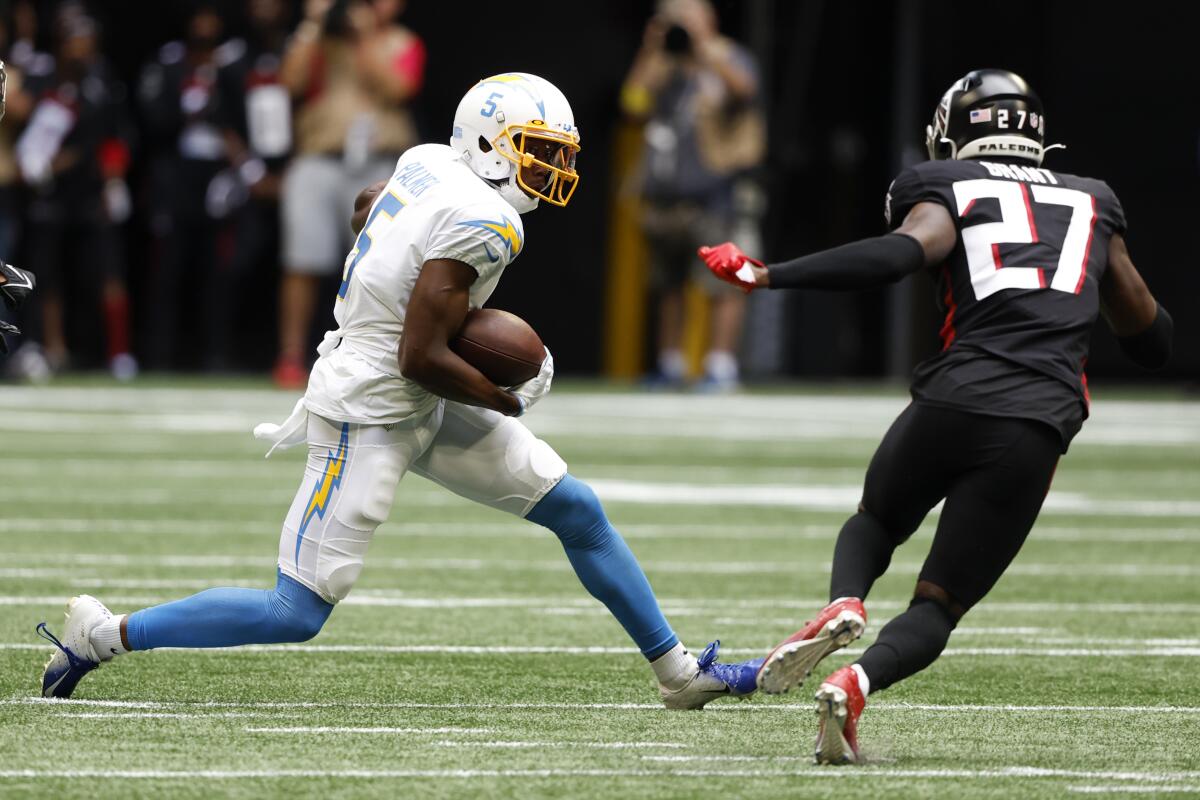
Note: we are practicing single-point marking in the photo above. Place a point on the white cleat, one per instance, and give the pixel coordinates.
(711, 680)
(73, 655)
(698, 692)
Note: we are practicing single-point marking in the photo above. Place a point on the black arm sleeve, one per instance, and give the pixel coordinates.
(864, 264)
(1152, 347)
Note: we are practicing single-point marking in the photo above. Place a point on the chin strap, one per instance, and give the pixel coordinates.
(1050, 147)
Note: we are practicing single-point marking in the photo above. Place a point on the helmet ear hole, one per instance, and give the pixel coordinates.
(484, 145)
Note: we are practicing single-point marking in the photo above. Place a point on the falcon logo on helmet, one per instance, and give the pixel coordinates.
(516, 131)
(988, 112)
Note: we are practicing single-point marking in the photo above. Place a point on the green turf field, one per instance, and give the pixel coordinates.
(468, 662)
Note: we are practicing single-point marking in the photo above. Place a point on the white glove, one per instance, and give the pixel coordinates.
(536, 387)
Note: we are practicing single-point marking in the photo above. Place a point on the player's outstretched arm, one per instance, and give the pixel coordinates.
(1143, 327)
(925, 238)
(439, 303)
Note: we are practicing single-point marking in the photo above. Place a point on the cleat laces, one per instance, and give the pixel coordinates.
(76, 662)
(739, 678)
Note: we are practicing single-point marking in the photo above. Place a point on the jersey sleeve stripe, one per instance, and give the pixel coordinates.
(1087, 251)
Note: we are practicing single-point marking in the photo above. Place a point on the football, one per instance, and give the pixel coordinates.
(500, 345)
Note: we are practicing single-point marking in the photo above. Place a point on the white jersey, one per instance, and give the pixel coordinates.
(433, 206)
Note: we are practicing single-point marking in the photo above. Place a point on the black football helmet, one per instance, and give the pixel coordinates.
(988, 112)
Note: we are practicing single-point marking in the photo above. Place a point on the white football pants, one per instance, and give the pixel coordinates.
(353, 470)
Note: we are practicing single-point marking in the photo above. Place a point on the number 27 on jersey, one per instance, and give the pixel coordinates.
(1017, 226)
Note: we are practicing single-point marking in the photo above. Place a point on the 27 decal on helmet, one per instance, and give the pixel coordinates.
(988, 112)
(516, 131)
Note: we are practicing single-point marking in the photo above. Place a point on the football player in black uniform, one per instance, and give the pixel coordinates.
(1024, 259)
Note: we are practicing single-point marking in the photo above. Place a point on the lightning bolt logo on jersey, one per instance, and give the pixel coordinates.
(503, 230)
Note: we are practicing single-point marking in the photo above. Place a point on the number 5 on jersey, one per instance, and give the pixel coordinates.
(1017, 226)
(389, 206)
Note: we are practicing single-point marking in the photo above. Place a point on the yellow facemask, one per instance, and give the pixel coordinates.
(534, 146)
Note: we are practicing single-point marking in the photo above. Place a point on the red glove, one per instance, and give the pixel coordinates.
(727, 261)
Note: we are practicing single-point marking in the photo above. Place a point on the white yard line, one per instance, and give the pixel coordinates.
(201, 708)
(762, 418)
(139, 527)
(1035, 709)
(1134, 789)
(160, 583)
(523, 650)
(570, 606)
(815, 498)
(688, 422)
(164, 715)
(372, 730)
(523, 745)
(818, 567)
(276, 498)
(858, 773)
(877, 623)
(843, 498)
(525, 530)
(723, 759)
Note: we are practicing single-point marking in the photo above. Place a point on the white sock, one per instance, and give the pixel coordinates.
(721, 365)
(864, 683)
(675, 667)
(106, 638)
(672, 364)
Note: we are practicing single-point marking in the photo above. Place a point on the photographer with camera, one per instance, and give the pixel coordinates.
(696, 91)
(352, 69)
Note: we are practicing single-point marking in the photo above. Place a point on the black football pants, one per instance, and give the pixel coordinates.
(993, 473)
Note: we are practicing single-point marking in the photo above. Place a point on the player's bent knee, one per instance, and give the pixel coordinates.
(583, 498)
(341, 580)
(573, 511)
(340, 561)
(897, 532)
(929, 592)
(544, 461)
(898, 528)
(298, 612)
(301, 628)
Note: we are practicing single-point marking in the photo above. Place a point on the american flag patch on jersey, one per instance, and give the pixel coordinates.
(981, 115)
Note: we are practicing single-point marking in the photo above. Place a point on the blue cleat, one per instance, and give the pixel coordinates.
(741, 678)
(713, 680)
(73, 656)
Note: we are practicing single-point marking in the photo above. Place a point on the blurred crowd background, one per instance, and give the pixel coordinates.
(179, 175)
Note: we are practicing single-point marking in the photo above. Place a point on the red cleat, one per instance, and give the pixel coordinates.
(840, 703)
(289, 374)
(838, 624)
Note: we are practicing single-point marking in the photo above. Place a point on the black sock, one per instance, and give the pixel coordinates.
(862, 553)
(907, 644)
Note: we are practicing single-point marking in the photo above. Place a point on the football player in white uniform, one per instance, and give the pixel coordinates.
(434, 244)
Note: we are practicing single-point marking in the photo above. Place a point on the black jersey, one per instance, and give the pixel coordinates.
(1021, 289)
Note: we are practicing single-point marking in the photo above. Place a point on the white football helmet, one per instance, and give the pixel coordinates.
(516, 130)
